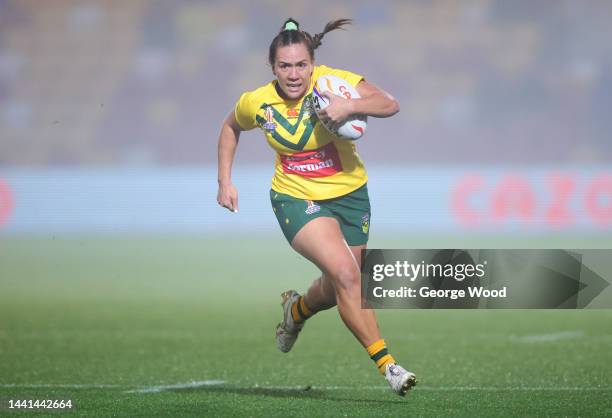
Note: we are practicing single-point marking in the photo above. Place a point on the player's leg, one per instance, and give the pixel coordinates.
(340, 283)
(321, 241)
(321, 294)
(353, 214)
(292, 214)
(350, 232)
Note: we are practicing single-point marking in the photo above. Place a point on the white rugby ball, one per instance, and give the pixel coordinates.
(352, 128)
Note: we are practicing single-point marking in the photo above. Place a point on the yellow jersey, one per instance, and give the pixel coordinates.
(311, 162)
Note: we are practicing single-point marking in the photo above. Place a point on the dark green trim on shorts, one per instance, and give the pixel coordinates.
(352, 211)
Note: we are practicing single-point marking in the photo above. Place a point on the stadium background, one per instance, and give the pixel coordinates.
(109, 116)
(104, 99)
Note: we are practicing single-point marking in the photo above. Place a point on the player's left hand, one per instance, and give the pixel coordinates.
(338, 110)
(227, 197)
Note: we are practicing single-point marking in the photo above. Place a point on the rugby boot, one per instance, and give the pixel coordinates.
(400, 379)
(288, 330)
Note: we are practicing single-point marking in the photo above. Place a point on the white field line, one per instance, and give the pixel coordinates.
(190, 385)
(206, 383)
(542, 338)
(440, 388)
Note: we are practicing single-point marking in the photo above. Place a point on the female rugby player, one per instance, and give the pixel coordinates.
(319, 192)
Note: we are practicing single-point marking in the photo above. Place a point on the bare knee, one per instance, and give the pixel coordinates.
(346, 278)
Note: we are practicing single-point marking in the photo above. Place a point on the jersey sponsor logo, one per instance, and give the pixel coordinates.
(321, 162)
(269, 114)
(292, 112)
(312, 207)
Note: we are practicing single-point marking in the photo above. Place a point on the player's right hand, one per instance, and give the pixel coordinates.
(227, 196)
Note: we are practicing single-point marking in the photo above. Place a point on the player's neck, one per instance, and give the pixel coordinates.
(284, 96)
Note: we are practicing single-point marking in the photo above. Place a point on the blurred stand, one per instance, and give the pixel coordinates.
(484, 85)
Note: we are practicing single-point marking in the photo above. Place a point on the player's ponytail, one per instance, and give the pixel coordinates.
(333, 25)
(290, 33)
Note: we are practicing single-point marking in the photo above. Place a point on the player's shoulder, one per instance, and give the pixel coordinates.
(322, 70)
(259, 95)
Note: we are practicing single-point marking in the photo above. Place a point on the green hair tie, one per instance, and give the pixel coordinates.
(291, 26)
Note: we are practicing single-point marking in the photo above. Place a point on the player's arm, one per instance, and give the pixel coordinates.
(227, 196)
(374, 102)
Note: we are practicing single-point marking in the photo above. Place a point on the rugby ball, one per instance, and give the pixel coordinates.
(352, 128)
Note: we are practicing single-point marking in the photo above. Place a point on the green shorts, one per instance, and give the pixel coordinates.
(352, 211)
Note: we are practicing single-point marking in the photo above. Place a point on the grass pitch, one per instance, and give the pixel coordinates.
(185, 327)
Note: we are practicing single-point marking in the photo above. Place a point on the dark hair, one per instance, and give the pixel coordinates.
(297, 36)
